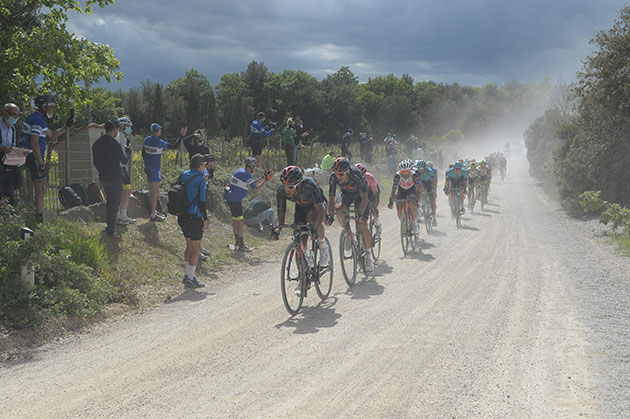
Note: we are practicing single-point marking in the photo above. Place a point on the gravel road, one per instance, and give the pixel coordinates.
(523, 313)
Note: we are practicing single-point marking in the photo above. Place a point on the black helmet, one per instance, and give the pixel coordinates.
(209, 158)
(341, 164)
(251, 162)
(42, 100)
(291, 175)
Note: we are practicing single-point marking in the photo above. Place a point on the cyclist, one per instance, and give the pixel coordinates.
(310, 206)
(473, 175)
(456, 181)
(374, 195)
(406, 186)
(428, 184)
(435, 176)
(353, 189)
(502, 164)
(485, 175)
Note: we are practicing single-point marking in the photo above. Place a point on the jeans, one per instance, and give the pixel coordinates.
(265, 216)
(113, 193)
(291, 151)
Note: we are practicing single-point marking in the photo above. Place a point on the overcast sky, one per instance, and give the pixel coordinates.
(472, 42)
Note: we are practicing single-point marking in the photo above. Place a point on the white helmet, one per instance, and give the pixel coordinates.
(405, 165)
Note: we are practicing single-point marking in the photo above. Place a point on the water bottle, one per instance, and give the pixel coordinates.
(232, 246)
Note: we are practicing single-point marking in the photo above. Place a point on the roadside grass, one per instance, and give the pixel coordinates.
(623, 243)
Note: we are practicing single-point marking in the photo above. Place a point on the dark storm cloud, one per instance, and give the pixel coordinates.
(471, 42)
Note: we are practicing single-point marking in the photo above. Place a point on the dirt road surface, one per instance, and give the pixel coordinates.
(523, 313)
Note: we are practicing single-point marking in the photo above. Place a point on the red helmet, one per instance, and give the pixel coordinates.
(341, 164)
(291, 175)
(361, 167)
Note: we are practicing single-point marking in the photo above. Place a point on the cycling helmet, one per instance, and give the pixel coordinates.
(209, 158)
(291, 175)
(473, 165)
(251, 162)
(450, 165)
(42, 100)
(361, 167)
(483, 162)
(421, 164)
(405, 165)
(430, 164)
(341, 164)
(124, 121)
(458, 165)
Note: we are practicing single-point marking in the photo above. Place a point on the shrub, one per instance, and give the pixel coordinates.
(591, 201)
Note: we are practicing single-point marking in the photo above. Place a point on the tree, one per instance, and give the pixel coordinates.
(38, 54)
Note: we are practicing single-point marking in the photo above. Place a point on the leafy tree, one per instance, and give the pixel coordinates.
(38, 54)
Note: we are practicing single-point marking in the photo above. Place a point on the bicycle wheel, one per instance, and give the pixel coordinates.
(290, 279)
(458, 215)
(376, 241)
(428, 221)
(404, 234)
(347, 258)
(323, 284)
(413, 237)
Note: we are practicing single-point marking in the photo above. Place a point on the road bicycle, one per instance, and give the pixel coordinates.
(484, 194)
(352, 251)
(299, 273)
(376, 238)
(427, 213)
(472, 197)
(408, 236)
(457, 208)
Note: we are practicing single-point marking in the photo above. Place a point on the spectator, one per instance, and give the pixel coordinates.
(242, 181)
(195, 221)
(208, 174)
(10, 176)
(300, 135)
(412, 142)
(107, 157)
(364, 140)
(420, 155)
(123, 130)
(259, 213)
(256, 133)
(194, 144)
(288, 139)
(152, 155)
(35, 134)
(345, 144)
(328, 160)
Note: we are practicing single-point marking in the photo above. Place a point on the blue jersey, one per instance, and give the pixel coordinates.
(426, 175)
(456, 179)
(241, 181)
(195, 191)
(435, 172)
(34, 124)
(257, 131)
(152, 151)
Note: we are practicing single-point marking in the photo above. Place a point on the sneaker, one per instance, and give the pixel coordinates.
(204, 251)
(192, 283)
(369, 263)
(244, 248)
(158, 217)
(127, 220)
(113, 234)
(202, 256)
(121, 222)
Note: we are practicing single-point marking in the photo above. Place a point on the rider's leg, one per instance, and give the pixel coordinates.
(399, 207)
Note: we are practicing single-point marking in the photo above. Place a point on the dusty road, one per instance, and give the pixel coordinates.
(521, 314)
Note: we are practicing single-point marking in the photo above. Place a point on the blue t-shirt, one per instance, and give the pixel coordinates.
(152, 151)
(257, 131)
(241, 181)
(34, 124)
(195, 191)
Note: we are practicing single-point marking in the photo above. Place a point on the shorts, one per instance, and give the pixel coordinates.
(153, 174)
(256, 148)
(236, 209)
(191, 225)
(471, 181)
(406, 194)
(31, 165)
(348, 199)
(428, 187)
(126, 179)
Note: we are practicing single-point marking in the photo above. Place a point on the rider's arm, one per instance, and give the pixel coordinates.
(332, 188)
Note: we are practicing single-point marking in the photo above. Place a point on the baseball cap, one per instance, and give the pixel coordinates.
(155, 127)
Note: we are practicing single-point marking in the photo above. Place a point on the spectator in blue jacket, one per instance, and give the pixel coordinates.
(152, 156)
(257, 131)
(195, 221)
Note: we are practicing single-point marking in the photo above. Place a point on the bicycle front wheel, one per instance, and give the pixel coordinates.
(376, 241)
(291, 282)
(347, 258)
(428, 222)
(404, 234)
(458, 214)
(323, 285)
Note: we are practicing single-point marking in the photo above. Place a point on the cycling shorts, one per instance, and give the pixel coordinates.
(31, 165)
(257, 148)
(428, 186)
(348, 199)
(126, 179)
(153, 174)
(406, 194)
(236, 209)
(191, 225)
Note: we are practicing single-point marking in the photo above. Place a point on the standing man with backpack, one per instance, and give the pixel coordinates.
(107, 157)
(193, 217)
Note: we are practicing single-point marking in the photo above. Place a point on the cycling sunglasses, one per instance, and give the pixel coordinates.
(405, 172)
(339, 174)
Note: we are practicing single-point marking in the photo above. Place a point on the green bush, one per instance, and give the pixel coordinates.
(613, 214)
(591, 201)
(72, 275)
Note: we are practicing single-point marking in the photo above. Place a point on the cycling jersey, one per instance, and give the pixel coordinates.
(372, 183)
(309, 193)
(257, 131)
(34, 124)
(355, 185)
(152, 151)
(406, 183)
(239, 186)
(484, 171)
(195, 193)
(425, 175)
(456, 179)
